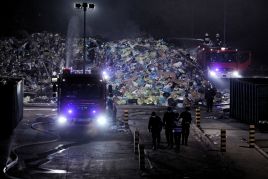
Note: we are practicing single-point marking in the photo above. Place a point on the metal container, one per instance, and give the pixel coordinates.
(249, 100)
(11, 98)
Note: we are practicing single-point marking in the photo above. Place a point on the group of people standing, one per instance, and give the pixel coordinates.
(177, 127)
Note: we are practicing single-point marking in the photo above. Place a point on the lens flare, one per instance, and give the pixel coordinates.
(213, 74)
(70, 111)
(236, 74)
(102, 121)
(62, 120)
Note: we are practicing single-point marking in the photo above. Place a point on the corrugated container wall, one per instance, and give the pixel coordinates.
(11, 96)
(249, 99)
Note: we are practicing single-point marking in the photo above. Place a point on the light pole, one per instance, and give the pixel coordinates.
(224, 23)
(84, 6)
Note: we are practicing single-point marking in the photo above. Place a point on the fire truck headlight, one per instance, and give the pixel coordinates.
(62, 120)
(105, 75)
(102, 120)
(213, 74)
(236, 74)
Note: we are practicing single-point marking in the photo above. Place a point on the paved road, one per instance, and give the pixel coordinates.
(252, 161)
(49, 151)
(196, 160)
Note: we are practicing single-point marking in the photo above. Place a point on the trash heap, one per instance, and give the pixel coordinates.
(145, 70)
(152, 72)
(34, 58)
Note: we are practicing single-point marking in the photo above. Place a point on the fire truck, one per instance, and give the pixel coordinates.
(223, 62)
(81, 98)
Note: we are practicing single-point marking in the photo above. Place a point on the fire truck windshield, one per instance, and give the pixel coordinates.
(224, 57)
(82, 91)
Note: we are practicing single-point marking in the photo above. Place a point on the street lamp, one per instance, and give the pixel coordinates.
(84, 6)
(224, 23)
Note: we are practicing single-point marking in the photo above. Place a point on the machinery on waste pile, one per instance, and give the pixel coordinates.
(223, 62)
(81, 97)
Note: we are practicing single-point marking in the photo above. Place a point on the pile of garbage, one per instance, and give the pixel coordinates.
(152, 72)
(145, 70)
(34, 58)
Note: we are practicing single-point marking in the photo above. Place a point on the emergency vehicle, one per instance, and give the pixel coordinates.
(223, 62)
(81, 98)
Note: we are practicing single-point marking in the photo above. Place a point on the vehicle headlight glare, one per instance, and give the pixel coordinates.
(105, 75)
(236, 74)
(101, 120)
(62, 120)
(212, 74)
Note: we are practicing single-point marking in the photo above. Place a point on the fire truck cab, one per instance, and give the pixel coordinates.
(223, 62)
(81, 98)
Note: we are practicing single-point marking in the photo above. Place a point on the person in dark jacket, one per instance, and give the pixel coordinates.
(168, 120)
(155, 127)
(210, 92)
(185, 123)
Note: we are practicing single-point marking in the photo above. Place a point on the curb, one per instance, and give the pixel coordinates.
(200, 133)
(261, 151)
(132, 129)
(210, 144)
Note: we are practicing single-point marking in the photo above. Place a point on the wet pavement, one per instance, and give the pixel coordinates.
(252, 161)
(197, 160)
(76, 151)
(202, 157)
(48, 151)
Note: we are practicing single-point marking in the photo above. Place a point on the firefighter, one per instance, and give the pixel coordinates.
(155, 127)
(169, 119)
(207, 40)
(218, 40)
(185, 124)
(114, 112)
(111, 104)
(54, 86)
(210, 92)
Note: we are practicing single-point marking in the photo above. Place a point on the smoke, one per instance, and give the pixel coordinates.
(113, 20)
(246, 21)
(73, 31)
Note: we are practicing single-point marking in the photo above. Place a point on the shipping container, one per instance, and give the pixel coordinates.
(249, 100)
(11, 96)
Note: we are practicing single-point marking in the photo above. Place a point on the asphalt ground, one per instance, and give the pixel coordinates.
(252, 161)
(46, 150)
(202, 158)
(197, 160)
(112, 156)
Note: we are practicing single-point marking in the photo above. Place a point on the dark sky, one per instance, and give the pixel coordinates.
(246, 20)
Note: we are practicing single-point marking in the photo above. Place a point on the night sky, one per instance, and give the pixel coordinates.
(246, 20)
